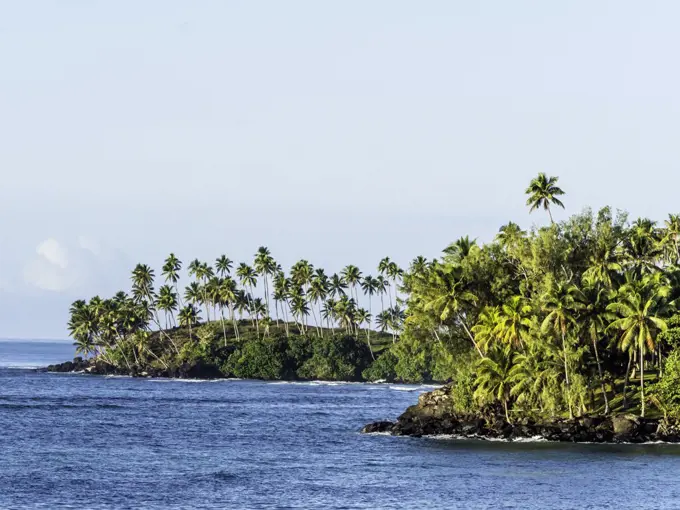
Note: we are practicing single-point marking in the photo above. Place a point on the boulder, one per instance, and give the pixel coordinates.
(378, 426)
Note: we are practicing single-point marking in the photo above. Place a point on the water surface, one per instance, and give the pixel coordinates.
(78, 441)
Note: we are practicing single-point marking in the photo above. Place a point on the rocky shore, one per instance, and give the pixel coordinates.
(184, 371)
(434, 415)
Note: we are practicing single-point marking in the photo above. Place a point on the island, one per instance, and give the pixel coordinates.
(568, 330)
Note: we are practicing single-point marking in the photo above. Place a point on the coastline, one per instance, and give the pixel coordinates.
(434, 416)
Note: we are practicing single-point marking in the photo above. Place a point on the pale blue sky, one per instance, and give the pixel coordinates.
(336, 131)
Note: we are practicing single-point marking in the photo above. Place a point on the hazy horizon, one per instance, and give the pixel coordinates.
(340, 133)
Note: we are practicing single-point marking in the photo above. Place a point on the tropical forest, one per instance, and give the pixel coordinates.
(565, 319)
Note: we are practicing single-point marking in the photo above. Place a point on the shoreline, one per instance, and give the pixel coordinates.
(434, 415)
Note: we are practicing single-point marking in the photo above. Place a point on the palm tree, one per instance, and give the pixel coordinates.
(265, 265)
(369, 285)
(448, 298)
(486, 329)
(362, 316)
(167, 303)
(337, 286)
(188, 317)
(458, 250)
(514, 321)
(493, 377)
(227, 295)
(560, 304)
(248, 277)
(193, 295)
(352, 276)
(671, 238)
(171, 268)
(223, 264)
(592, 317)
(639, 322)
(543, 192)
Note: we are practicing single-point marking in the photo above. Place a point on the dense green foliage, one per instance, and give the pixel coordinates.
(560, 320)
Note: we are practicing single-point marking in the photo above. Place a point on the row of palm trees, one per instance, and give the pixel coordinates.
(227, 294)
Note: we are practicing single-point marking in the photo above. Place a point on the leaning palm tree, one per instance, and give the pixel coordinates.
(639, 322)
(543, 192)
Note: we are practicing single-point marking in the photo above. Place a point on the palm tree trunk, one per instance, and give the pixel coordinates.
(224, 328)
(625, 384)
(469, 334)
(599, 370)
(505, 405)
(642, 380)
(552, 222)
(566, 375)
(233, 320)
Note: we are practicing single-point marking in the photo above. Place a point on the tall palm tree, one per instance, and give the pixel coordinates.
(337, 286)
(352, 276)
(543, 192)
(171, 268)
(227, 294)
(560, 305)
(369, 285)
(223, 265)
(266, 266)
(362, 316)
(639, 322)
(189, 317)
(248, 277)
(167, 303)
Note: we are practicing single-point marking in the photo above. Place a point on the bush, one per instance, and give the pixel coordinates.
(383, 368)
(413, 360)
(667, 390)
(259, 359)
(336, 358)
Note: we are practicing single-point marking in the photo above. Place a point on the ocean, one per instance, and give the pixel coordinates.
(79, 441)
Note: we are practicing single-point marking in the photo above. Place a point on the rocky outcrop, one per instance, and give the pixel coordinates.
(435, 415)
(196, 370)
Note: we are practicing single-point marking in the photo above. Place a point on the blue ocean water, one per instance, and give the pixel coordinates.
(78, 441)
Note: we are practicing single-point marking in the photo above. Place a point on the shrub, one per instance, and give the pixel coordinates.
(382, 368)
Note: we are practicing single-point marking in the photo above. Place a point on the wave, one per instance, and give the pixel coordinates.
(422, 387)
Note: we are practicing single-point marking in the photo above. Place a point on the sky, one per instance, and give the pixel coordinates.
(339, 132)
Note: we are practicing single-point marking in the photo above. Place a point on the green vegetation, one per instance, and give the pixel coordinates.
(577, 317)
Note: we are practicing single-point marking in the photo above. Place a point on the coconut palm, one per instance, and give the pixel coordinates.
(337, 286)
(351, 275)
(369, 286)
(514, 321)
(223, 265)
(560, 304)
(494, 377)
(189, 317)
(266, 266)
(639, 321)
(543, 192)
(167, 303)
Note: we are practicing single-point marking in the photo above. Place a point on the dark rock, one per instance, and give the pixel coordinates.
(435, 414)
(378, 426)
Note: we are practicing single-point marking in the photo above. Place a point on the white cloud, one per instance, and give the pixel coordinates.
(81, 267)
(53, 253)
